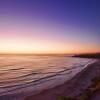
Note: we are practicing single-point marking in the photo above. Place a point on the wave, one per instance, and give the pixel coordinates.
(41, 71)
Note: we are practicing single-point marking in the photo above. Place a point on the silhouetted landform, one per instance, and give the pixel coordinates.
(96, 55)
(83, 86)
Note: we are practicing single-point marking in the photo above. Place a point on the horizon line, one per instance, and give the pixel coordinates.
(47, 53)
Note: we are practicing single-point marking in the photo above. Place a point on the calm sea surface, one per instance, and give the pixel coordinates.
(28, 74)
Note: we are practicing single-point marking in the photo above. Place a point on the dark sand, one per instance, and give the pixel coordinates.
(73, 87)
(96, 95)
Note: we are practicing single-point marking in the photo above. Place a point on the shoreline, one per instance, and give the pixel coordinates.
(72, 88)
(60, 78)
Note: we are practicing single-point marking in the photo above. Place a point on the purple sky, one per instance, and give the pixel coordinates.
(49, 26)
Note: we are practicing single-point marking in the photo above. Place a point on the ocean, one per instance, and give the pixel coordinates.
(22, 75)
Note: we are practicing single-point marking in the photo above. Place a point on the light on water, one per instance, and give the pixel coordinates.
(27, 73)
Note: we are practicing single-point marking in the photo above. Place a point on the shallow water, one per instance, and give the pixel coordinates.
(29, 73)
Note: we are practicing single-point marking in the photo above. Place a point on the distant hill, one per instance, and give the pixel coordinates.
(94, 55)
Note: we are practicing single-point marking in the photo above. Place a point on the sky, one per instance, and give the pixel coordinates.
(49, 26)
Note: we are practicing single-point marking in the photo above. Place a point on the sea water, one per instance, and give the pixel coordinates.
(22, 75)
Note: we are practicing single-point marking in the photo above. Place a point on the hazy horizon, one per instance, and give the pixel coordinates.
(48, 53)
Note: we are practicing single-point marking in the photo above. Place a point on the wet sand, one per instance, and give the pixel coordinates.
(71, 88)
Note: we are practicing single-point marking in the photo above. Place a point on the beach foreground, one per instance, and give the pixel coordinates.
(76, 88)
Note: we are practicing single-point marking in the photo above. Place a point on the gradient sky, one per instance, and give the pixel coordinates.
(49, 26)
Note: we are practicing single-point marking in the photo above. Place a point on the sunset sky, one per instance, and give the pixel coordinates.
(49, 26)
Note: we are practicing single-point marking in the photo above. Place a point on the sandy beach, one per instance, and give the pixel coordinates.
(74, 87)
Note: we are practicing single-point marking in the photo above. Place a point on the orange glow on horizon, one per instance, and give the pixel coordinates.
(28, 46)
